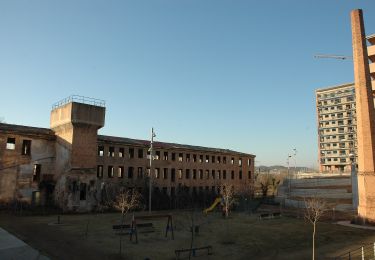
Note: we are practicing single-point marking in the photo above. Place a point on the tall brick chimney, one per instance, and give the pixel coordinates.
(365, 119)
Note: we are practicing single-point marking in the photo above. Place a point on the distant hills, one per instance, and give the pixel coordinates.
(281, 169)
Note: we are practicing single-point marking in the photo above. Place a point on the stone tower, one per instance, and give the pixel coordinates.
(75, 121)
(365, 119)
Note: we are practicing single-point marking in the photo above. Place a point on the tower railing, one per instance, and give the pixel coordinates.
(79, 99)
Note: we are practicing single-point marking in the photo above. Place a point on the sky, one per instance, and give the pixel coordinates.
(239, 75)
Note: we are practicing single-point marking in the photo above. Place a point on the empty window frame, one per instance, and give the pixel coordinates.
(213, 174)
(187, 174)
(165, 173)
(240, 162)
(240, 175)
(207, 158)
(131, 153)
(173, 156)
(140, 173)
(37, 172)
(194, 158)
(201, 174)
(180, 174)
(213, 158)
(201, 158)
(232, 175)
(165, 157)
(120, 172)
(207, 174)
(224, 174)
(224, 160)
(173, 175)
(100, 150)
(248, 161)
(111, 172)
(157, 155)
(157, 173)
(111, 151)
(26, 147)
(232, 160)
(180, 157)
(130, 172)
(194, 174)
(82, 191)
(249, 174)
(11, 143)
(188, 157)
(140, 153)
(121, 152)
(219, 174)
(99, 171)
(218, 159)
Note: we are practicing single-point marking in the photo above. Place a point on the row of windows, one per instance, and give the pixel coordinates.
(166, 173)
(26, 145)
(342, 160)
(180, 157)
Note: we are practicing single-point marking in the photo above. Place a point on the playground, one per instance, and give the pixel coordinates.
(240, 236)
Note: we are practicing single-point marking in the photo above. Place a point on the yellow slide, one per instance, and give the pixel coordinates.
(217, 200)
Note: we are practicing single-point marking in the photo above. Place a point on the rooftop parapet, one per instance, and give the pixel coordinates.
(79, 99)
(78, 110)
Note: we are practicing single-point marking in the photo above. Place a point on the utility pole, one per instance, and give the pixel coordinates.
(289, 180)
(295, 161)
(150, 176)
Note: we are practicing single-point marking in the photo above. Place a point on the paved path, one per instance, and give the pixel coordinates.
(348, 224)
(13, 248)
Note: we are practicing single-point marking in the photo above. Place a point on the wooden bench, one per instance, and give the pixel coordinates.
(148, 228)
(269, 215)
(193, 250)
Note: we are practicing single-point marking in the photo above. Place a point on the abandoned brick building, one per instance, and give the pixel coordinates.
(70, 163)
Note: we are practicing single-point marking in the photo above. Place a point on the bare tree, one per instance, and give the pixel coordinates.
(315, 208)
(227, 193)
(126, 200)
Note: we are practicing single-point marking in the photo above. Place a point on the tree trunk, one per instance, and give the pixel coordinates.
(313, 243)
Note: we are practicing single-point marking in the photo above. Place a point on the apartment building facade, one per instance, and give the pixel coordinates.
(337, 130)
(69, 164)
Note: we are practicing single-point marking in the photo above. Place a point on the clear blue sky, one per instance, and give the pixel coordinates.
(229, 74)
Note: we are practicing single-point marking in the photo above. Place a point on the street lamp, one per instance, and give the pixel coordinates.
(354, 181)
(150, 176)
(289, 180)
(295, 160)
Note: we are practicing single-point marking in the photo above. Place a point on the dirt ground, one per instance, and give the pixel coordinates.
(241, 236)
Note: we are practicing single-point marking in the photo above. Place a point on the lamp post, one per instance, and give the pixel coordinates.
(295, 160)
(150, 177)
(289, 180)
(354, 181)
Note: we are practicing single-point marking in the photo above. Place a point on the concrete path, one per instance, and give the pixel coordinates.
(13, 248)
(348, 224)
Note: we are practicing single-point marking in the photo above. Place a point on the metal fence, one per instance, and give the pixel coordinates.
(362, 253)
(79, 99)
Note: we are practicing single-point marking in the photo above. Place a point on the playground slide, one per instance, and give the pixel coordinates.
(217, 200)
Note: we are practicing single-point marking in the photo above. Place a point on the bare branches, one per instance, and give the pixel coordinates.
(227, 193)
(315, 208)
(127, 200)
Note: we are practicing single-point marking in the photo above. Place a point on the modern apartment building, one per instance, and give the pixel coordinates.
(337, 131)
(70, 163)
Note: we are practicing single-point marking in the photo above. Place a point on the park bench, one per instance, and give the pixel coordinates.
(145, 228)
(208, 249)
(269, 215)
(264, 216)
